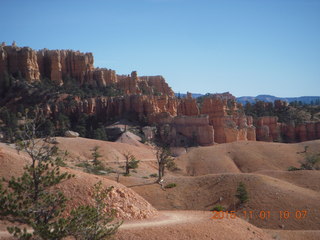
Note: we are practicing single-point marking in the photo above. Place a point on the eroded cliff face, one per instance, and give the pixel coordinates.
(20, 62)
(145, 98)
(270, 129)
(227, 118)
(60, 66)
(184, 131)
(183, 120)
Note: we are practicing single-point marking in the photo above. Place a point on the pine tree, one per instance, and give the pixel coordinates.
(28, 199)
(131, 163)
(242, 193)
(31, 200)
(96, 155)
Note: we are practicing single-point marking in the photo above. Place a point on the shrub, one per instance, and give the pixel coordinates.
(95, 222)
(311, 162)
(242, 193)
(292, 168)
(171, 185)
(218, 208)
(154, 175)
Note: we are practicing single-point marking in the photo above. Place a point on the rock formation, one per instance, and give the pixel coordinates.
(184, 131)
(145, 98)
(228, 120)
(61, 66)
(301, 132)
(19, 62)
(268, 129)
(271, 130)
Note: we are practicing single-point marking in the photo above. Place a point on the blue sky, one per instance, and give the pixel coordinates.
(246, 47)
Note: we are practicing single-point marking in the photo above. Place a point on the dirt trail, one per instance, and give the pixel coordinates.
(166, 218)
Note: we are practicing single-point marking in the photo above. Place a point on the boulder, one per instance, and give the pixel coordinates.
(71, 134)
(149, 132)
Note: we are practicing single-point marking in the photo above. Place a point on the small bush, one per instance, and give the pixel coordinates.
(171, 185)
(83, 164)
(171, 166)
(292, 168)
(218, 208)
(154, 175)
(311, 162)
(97, 170)
(145, 177)
(242, 193)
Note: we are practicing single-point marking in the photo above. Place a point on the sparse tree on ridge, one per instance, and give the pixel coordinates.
(96, 155)
(31, 200)
(131, 163)
(164, 160)
(28, 199)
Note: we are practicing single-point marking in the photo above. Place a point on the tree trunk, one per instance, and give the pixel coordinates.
(160, 172)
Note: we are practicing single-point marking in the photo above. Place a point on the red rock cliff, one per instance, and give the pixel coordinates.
(63, 65)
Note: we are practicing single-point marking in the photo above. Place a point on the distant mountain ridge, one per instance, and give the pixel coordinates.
(194, 95)
(270, 98)
(264, 97)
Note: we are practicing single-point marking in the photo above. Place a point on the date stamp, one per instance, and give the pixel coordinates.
(262, 215)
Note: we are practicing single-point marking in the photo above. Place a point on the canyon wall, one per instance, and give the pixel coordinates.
(148, 99)
(20, 62)
(270, 130)
(61, 66)
(228, 119)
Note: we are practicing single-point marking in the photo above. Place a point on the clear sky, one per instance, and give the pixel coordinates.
(246, 47)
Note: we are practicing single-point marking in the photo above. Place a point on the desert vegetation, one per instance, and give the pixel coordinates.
(31, 199)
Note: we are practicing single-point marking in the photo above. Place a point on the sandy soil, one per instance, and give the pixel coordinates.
(187, 225)
(293, 235)
(208, 176)
(78, 189)
(244, 156)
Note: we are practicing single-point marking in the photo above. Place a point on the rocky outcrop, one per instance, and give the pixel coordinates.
(146, 98)
(183, 117)
(149, 133)
(61, 66)
(64, 65)
(228, 120)
(158, 85)
(301, 132)
(185, 131)
(140, 107)
(71, 134)
(104, 77)
(19, 62)
(188, 106)
(268, 129)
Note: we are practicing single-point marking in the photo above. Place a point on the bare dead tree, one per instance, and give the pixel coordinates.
(164, 159)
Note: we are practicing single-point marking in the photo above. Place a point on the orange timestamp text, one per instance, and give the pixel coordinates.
(263, 215)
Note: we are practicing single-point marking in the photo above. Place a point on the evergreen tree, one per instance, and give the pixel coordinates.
(28, 199)
(242, 193)
(131, 163)
(31, 200)
(96, 155)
